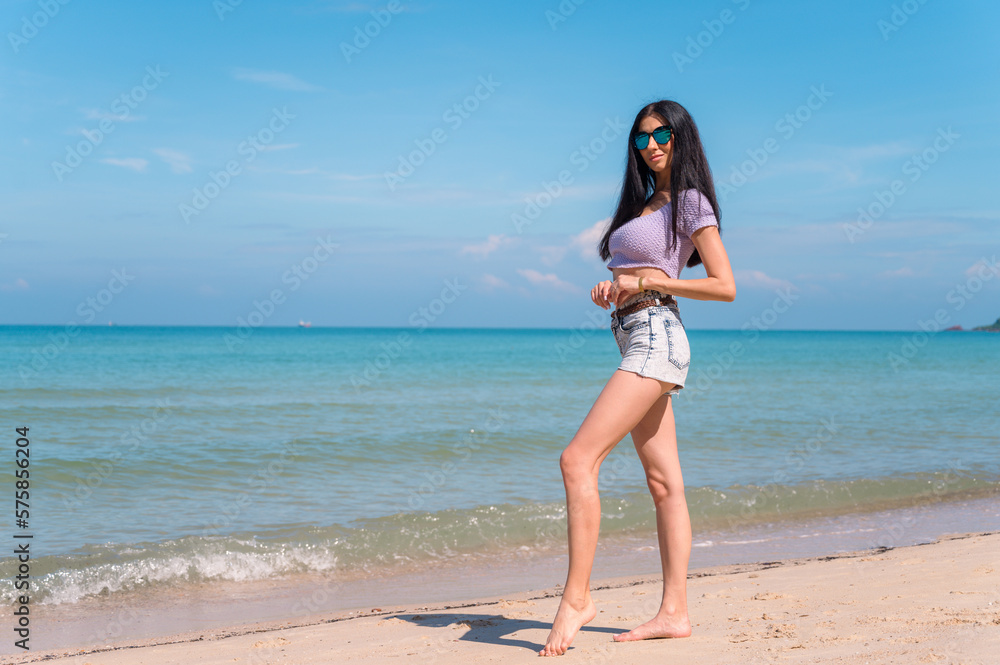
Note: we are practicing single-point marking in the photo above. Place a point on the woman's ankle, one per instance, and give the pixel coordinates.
(578, 600)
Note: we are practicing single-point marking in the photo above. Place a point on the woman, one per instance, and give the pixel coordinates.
(648, 240)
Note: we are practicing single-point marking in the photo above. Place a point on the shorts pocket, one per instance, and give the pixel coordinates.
(632, 321)
(616, 331)
(680, 351)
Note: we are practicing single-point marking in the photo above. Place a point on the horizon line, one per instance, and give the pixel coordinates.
(419, 329)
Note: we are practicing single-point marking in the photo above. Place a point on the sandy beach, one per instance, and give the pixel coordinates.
(938, 602)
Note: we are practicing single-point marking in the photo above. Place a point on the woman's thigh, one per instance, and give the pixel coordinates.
(622, 404)
(655, 439)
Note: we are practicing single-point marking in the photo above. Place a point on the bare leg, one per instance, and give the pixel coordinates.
(655, 440)
(621, 405)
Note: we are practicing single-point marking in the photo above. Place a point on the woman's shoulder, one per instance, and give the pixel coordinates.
(694, 203)
(691, 196)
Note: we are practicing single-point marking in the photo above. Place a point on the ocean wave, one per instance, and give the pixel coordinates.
(371, 547)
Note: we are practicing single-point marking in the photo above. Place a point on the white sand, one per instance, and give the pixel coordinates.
(936, 603)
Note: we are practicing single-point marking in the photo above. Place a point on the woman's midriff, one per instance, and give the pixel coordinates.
(643, 271)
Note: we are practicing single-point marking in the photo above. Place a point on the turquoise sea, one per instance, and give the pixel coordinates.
(163, 456)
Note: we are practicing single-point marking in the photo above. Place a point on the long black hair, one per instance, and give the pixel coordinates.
(688, 170)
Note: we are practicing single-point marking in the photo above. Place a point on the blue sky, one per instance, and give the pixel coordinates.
(245, 166)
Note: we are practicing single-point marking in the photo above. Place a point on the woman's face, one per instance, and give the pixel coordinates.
(658, 157)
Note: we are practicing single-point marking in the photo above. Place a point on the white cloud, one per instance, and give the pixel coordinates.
(19, 285)
(208, 290)
(279, 80)
(352, 178)
(179, 162)
(875, 150)
(97, 114)
(845, 164)
(493, 243)
(279, 146)
(759, 279)
(586, 241)
(976, 269)
(312, 170)
(494, 282)
(905, 271)
(551, 254)
(134, 163)
(822, 277)
(547, 280)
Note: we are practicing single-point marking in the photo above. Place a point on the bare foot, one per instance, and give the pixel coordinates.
(567, 624)
(658, 626)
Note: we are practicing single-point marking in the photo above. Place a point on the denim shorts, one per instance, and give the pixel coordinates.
(653, 342)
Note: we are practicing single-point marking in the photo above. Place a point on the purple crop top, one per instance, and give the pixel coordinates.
(645, 241)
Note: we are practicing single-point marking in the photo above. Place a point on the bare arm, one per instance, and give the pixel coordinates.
(719, 285)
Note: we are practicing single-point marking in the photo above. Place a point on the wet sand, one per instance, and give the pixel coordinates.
(937, 602)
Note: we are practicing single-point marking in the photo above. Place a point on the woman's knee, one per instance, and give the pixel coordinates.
(575, 463)
(663, 490)
(569, 460)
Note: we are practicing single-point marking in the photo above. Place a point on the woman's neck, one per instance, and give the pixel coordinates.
(663, 181)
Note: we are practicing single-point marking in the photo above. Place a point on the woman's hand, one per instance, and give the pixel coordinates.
(617, 291)
(623, 288)
(600, 294)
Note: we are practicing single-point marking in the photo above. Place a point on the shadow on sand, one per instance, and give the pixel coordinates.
(489, 628)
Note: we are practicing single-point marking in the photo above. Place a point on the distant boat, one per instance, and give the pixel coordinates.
(304, 324)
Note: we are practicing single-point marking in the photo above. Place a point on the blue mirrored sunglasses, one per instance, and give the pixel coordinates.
(661, 135)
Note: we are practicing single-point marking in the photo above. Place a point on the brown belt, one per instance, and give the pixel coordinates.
(642, 304)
